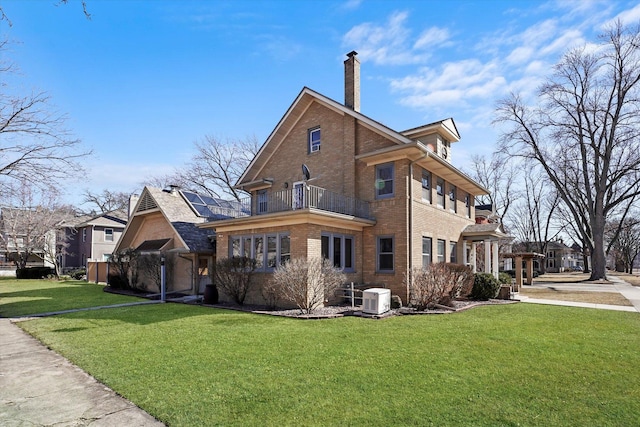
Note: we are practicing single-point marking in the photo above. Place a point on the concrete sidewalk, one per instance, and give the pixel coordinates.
(38, 387)
(630, 292)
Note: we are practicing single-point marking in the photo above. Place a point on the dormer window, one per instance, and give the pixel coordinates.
(314, 140)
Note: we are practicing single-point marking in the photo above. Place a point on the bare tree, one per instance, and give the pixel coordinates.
(215, 167)
(107, 201)
(625, 247)
(499, 175)
(584, 133)
(4, 17)
(31, 219)
(35, 145)
(533, 218)
(308, 283)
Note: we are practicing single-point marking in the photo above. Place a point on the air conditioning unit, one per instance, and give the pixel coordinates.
(376, 301)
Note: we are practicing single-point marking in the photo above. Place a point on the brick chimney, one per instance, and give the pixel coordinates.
(352, 81)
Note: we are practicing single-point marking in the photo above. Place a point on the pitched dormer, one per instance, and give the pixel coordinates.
(437, 136)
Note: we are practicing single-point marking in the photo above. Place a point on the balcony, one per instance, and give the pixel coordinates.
(300, 197)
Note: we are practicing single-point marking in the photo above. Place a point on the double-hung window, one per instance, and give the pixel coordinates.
(426, 252)
(440, 191)
(384, 181)
(453, 255)
(467, 204)
(426, 186)
(453, 206)
(339, 249)
(108, 234)
(441, 249)
(385, 254)
(314, 140)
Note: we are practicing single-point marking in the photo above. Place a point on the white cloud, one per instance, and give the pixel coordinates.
(390, 43)
(351, 4)
(627, 17)
(431, 37)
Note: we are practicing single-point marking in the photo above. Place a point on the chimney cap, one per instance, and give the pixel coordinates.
(352, 54)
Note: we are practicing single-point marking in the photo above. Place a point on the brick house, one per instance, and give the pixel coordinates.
(330, 181)
(165, 223)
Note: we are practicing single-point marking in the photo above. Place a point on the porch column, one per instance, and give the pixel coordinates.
(464, 252)
(518, 273)
(474, 247)
(487, 256)
(529, 280)
(494, 263)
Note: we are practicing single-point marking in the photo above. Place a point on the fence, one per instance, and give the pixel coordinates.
(97, 271)
(351, 294)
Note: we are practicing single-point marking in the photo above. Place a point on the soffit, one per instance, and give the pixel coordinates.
(280, 219)
(419, 153)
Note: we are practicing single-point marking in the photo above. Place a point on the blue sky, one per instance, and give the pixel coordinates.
(142, 80)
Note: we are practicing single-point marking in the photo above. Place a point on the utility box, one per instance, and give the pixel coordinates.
(376, 301)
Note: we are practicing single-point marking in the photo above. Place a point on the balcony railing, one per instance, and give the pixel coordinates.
(300, 197)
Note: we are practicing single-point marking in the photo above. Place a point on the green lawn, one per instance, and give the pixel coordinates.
(517, 364)
(25, 297)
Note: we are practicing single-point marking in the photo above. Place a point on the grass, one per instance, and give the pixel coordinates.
(27, 297)
(516, 364)
(611, 298)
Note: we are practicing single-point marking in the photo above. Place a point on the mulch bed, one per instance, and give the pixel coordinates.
(329, 312)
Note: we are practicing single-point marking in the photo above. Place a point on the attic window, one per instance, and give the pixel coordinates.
(314, 140)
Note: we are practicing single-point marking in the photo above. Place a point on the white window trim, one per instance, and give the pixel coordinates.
(112, 235)
(314, 147)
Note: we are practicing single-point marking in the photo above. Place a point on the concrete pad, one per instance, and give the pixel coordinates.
(39, 387)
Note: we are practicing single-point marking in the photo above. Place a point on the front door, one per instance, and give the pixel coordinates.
(298, 195)
(204, 278)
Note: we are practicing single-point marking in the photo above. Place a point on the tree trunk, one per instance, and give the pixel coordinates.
(598, 258)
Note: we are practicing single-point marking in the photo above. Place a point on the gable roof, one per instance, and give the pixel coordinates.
(304, 100)
(178, 213)
(108, 219)
(291, 117)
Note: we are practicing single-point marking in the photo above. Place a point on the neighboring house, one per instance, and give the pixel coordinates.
(165, 223)
(330, 181)
(90, 238)
(558, 257)
(561, 258)
(21, 231)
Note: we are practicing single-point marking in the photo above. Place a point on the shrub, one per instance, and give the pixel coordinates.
(34, 272)
(78, 274)
(439, 284)
(429, 286)
(485, 287)
(116, 282)
(307, 283)
(462, 276)
(504, 278)
(233, 277)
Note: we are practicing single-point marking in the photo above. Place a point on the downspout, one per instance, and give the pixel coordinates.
(410, 221)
